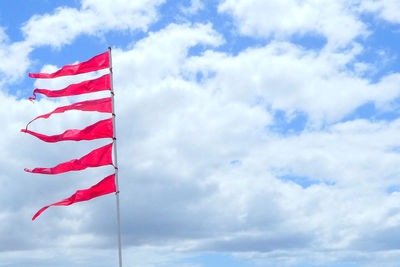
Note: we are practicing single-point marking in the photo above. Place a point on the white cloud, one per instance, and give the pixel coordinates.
(253, 210)
(94, 17)
(285, 77)
(183, 135)
(334, 20)
(385, 9)
(123, 14)
(161, 55)
(149, 256)
(194, 7)
(14, 58)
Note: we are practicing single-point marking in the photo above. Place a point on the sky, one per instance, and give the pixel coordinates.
(250, 133)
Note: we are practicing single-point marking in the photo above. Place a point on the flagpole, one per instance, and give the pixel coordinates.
(116, 161)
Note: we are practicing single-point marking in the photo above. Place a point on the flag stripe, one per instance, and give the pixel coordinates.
(99, 157)
(96, 63)
(105, 186)
(90, 86)
(101, 129)
(100, 105)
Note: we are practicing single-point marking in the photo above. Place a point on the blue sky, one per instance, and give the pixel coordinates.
(251, 133)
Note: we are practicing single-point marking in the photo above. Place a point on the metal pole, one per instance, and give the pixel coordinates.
(116, 161)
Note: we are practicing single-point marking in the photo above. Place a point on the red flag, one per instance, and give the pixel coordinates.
(98, 62)
(100, 105)
(98, 157)
(101, 129)
(105, 186)
(90, 86)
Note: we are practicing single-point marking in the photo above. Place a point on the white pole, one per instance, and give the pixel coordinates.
(116, 161)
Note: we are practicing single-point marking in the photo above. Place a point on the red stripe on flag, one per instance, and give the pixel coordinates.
(101, 129)
(99, 157)
(98, 62)
(105, 186)
(90, 86)
(100, 105)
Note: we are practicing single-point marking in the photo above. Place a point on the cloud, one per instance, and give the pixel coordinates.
(384, 9)
(256, 209)
(195, 6)
(308, 75)
(149, 256)
(160, 55)
(334, 20)
(14, 58)
(183, 135)
(93, 18)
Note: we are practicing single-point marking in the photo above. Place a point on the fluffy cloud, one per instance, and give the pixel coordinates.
(334, 20)
(385, 9)
(207, 168)
(195, 6)
(348, 207)
(203, 163)
(14, 58)
(317, 83)
(161, 55)
(94, 17)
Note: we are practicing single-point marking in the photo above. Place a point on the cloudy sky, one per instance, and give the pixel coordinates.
(251, 133)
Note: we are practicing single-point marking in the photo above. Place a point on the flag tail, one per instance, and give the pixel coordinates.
(99, 157)
(98, 62)
(100, 105)
(98, 130)
(104, 187)
(89, 86)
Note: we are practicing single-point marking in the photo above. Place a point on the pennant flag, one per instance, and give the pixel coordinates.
(99, 157)
(103, 105)
(101, 129)
(90, 86)
(105, 186)
(98, 62)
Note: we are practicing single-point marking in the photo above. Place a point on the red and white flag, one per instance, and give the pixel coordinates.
(98, 130)
(85, 87)
(101, 156)
(103, 105)
(98, 62)
(105, 186)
